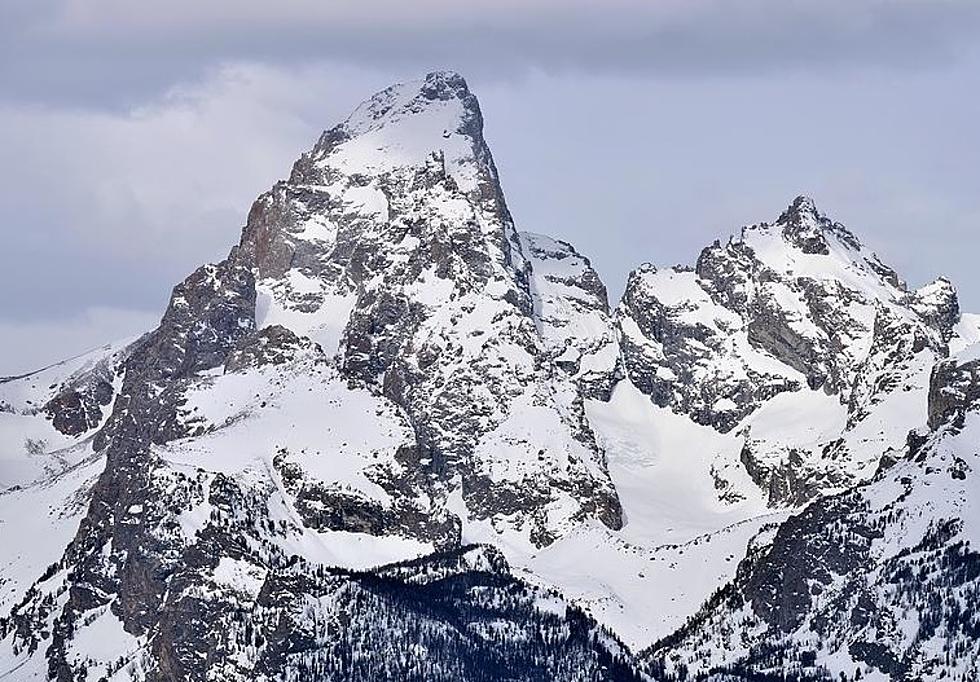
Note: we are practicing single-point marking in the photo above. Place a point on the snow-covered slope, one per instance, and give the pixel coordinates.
(879, 582)
(48, 464)
(48, 416)
(390, 435)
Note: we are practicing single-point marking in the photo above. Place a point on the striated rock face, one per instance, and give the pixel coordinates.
(877, 578)
(772, 322)
(125, 553)
(682, 349)
(273, 345)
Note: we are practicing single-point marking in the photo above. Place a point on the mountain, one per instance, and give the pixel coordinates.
(361, 380)
(390, 436)
(793, 317)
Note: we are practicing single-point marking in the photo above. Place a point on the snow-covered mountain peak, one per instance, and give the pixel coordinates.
(803, 206)
(938, 295)
(805, 243)
(938, 303)
(392, 248)
(938, 290)
(801, 214)
(796, 309)
(431, 122)
(405, 189)
(425, 95)
(804, 226)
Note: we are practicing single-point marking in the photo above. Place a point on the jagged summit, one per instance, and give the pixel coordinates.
(805, 242)
(940, 288)
(423, 136)
(804, 227)
(801, 211)
(803, 204)
(938, 303)
(411, 98)
(433, 121)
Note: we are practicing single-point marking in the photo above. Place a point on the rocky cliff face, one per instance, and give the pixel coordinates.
(286, 477)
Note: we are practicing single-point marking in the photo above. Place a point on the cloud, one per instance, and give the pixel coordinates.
(25, 347)
(95, 51)
(115, 207)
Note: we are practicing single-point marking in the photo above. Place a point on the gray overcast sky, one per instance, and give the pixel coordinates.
(135, 136)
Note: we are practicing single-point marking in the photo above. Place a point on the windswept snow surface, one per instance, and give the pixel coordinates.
(340, 438)
(680, 542)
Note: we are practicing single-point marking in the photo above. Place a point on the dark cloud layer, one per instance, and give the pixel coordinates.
(106, 51)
